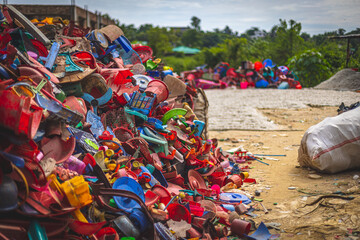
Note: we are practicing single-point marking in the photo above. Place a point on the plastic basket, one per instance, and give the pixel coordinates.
(142, 103)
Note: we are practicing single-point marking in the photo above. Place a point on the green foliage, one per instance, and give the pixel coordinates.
(213, 55)
(236, 50)
(211, 39)
(180, 64)
(159, 41)
(191, 38)
(335, 53)
(311, 68)
(130, 31)
(259, 49)
(287, 41)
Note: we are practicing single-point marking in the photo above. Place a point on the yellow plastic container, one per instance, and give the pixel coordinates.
(77, 191)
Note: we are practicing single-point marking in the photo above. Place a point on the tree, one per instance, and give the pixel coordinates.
(287, 41)
(159, 41)
(236, 50)
(213, 55)
(311, 67)
(195, 23)
(305, 36)
(191, 38)
(258, 49)
(211, 39)
(142, 32)
(227, 30)
(129, 31)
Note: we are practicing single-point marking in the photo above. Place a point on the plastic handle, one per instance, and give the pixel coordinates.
(50, 59)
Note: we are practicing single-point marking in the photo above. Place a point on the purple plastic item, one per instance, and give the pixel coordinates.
(74, 164)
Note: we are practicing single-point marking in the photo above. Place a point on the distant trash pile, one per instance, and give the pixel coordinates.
(345, 80)
(98, 140)
(249, 75)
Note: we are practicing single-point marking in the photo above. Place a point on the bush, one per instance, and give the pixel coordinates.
(311, 68)
(180, 64)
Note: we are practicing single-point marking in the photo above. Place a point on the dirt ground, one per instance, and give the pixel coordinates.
(295, 212)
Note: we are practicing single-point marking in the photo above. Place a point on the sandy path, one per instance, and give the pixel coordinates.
(334, 216)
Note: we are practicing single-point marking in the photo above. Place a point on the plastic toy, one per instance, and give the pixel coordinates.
(85, 142)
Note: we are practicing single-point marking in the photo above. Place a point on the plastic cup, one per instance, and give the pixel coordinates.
(240, 227)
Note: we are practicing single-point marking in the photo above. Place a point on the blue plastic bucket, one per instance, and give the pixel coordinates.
(139, 219)
(261, 84)
(128, 184)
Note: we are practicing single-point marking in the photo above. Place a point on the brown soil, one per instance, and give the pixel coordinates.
(331, 217)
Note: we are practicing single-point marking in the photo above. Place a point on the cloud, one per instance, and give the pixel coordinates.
(316, 16)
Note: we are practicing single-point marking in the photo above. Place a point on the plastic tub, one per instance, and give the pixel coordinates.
(159, 88)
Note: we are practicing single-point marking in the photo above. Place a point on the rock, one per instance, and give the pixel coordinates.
(179, 228)
(354, 189)
(314, 176)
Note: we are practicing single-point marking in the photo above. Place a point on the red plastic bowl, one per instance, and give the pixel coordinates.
(178, 212)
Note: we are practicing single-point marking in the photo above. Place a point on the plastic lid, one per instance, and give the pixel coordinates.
(234, 198)
(101, 38)
(196, 180)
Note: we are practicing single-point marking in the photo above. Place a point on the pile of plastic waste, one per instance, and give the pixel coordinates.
(98, 140)
(259, 74)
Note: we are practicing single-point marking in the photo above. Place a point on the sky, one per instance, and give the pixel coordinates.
(315, 16)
